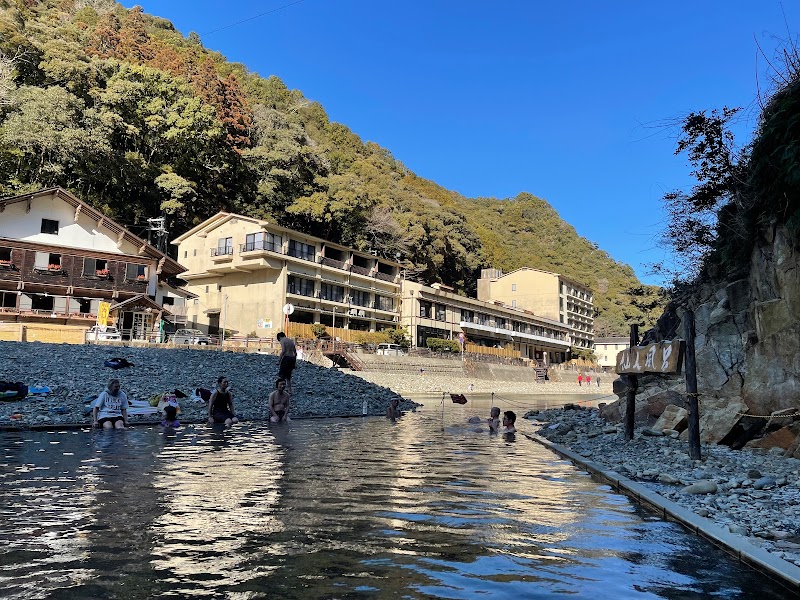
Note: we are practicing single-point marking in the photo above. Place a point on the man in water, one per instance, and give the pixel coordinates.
(509, 418)
(287, 359)
(393, 410)
(279, 402)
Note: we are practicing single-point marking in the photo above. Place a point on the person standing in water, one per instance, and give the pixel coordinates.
(220, 406)
(287, 359)
(494, 419)
(393, 410)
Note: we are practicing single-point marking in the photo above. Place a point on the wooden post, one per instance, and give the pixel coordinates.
(691, 389)
(633, 384)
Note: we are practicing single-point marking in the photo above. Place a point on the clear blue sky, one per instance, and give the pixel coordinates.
(561, 100)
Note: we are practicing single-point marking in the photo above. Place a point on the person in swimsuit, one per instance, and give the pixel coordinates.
(220, 406)
(509, 418)
(279, 402)
(287, 359)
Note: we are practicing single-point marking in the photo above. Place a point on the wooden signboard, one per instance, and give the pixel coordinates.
(661, 357)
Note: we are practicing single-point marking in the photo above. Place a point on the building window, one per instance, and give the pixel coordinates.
(262, 241)
(84, 306)
(43, 303)
(5, 256)
(425, 309)
(224, 247)
(45, 261)
(8, 300)
(185, 254)
(95, 267)
(301, 250)
(300, 286)
(206, 292)
(50, 226)
(135, 272)
(359, 298)
(467, 315)
(513, 304)
(334, 293)
(384, 303)
(500, 323)
(441, 312)
(194, 252)
(483, 319)
(513, 287)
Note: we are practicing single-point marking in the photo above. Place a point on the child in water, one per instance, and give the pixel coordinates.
(494, 419)
(170, 416)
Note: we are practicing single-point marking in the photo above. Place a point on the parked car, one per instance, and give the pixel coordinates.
(99, 334)
(390, 350)
(189, 336)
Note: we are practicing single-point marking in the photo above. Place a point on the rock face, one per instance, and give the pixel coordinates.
(747, 345)
(673, 417)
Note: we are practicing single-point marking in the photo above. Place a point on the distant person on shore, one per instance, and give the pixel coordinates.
(279, 402)
(580, 379)
(110, 410)
(588, 379)
(494, 419)
(471, 387)
(509, 418)
(170, 417)
(597, 379)
(287, 359)
(393, 410)
(220, 406)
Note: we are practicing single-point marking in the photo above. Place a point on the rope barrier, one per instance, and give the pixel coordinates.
(795, 414)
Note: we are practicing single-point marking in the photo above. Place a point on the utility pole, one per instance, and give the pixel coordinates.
(157, 226)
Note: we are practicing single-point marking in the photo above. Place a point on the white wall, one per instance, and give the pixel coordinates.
(16, 224)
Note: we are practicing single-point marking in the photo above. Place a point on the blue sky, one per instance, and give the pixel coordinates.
(563, 100)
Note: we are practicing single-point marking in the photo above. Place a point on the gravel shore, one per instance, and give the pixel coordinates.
(74, 373)
(754, 493)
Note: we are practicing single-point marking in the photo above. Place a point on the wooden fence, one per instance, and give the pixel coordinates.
(502, 352)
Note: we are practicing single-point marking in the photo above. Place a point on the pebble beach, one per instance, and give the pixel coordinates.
(754, 493)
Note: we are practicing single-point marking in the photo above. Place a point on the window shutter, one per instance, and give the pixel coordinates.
(74, 306)
(42, 260)
(89, 266)
(60, 305)
(131, 271)
(95, 307)
(25, 302)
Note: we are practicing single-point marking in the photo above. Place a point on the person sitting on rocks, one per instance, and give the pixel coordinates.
(279, 402)
(509, 418)
(170, 416)
(494, 419)
(110, 410)
(220, 406)
(393, 410)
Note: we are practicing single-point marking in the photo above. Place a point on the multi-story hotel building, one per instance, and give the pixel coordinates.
(546, 294)
(245, 270)
(436, 311)
(60, 258)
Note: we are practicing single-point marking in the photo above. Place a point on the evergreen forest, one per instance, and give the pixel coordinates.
(141, 121)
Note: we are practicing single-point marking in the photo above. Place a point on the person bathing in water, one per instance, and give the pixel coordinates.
(494, 419)
(220, 406)
(279, 402)
(509, 418)
(393, 410)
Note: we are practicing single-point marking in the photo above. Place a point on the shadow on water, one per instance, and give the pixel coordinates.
(333, 509)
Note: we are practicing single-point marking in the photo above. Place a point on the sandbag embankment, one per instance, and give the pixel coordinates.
(75, 372)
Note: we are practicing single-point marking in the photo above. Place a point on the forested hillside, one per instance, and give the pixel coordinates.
(140, 121)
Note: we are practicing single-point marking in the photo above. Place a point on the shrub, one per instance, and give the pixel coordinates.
(397, 336)
(440, 345)
(369, 337)
(318, 329)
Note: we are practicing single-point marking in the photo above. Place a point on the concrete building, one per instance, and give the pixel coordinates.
(436, 311)
(60, 258)
(245, 270)
(546, 294)
(606, 350)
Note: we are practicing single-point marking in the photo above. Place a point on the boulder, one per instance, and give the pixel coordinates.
(703, 486)
(612, 412)
(718, 416)
(673, 417)
(784, 438)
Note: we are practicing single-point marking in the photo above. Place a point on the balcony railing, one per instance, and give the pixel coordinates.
(331, 262)
(259, 245)
(301, 255)
(384, 276)
(359, 270)
(226, 251)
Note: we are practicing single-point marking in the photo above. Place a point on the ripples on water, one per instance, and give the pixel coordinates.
(333, 509)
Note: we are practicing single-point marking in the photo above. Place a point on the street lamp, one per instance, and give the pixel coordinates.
(413, 337)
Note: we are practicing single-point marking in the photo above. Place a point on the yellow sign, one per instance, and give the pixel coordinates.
(102, 313)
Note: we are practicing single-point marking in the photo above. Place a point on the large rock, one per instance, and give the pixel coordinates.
(717, 417)
(673, 417)
(784, 438)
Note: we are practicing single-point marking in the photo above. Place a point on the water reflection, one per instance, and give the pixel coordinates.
(421, 508)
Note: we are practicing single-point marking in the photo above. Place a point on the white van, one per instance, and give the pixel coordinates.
(390, 350)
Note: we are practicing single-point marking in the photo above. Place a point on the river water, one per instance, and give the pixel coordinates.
(344, 508)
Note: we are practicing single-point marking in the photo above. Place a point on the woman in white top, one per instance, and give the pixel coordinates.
(110, 410)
